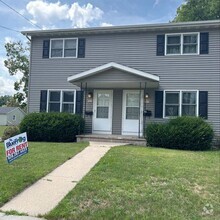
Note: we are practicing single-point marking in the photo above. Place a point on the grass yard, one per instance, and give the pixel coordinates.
(146, 183)
(41, 159)
(2, 128)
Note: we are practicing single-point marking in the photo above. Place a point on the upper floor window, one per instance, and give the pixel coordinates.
(61, 101)
(64, 48)
(180, 103)
(182, 44)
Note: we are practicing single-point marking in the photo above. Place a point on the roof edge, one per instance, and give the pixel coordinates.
(125, 28)
(108, 66)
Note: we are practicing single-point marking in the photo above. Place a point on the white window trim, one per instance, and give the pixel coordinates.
(63, 39)
(181, 43)
(61, 97)
(180, 101)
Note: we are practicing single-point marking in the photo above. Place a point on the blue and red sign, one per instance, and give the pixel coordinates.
(16, 147)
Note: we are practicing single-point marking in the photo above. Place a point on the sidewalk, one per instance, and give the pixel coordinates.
(46, 193)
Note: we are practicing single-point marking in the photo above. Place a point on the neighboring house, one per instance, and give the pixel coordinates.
(11, 115)
(122, 78)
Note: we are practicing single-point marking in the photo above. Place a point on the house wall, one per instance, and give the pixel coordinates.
(3, 120)
(136, 50)
(19, 115)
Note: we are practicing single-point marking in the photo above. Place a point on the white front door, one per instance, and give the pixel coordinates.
(102, 111)
(132, 113)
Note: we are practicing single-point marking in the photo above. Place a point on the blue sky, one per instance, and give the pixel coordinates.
(69, 13)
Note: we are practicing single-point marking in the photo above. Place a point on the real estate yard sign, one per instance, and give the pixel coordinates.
(16, 147)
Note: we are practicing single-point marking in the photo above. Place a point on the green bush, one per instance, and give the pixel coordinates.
(52, 127)
(10, 132)
(186, 133)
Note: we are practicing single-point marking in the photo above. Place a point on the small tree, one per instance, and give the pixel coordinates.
(17, 61)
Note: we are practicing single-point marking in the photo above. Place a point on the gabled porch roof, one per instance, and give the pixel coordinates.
(114, 75)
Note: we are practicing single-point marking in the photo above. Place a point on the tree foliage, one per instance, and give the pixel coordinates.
(198, 10)
(4, 99)
(17, 62)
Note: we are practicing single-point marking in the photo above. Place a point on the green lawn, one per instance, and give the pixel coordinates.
(41, 159)
(2, 128)
(146, 183)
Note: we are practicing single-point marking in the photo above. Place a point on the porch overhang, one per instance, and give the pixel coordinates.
(101, 77)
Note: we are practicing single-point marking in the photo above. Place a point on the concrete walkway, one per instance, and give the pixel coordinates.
(13, 217)
(46, 193)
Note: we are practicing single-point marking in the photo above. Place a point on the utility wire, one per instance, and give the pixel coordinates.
(10, 29)
(20, 14)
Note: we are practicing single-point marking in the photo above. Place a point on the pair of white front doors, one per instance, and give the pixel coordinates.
(132, 112)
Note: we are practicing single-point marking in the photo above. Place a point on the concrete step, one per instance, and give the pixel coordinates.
(112, 138)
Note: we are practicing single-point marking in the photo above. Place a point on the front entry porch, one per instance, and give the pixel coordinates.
(112, 138)
(114, 101)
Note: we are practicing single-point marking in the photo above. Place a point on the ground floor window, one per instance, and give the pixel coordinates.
(180, 103)
(61, 101)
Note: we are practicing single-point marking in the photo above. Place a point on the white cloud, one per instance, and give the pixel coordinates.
(44, 12)
(9, 39)
(105, 24)
(82, 16)
(7, 86)
(47, 14)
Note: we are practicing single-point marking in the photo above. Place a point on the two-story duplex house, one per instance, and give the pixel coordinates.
(122, 78)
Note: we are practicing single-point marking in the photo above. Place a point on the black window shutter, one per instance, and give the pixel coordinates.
(158, 104)
(79, 102)
(46, 48)
(204, 43)
(43, 100)
(160, 45)
(81, 47)
(203, 104)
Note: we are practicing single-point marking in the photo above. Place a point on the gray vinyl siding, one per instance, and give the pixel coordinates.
(117, 112)
(115, 75)
(136, 50)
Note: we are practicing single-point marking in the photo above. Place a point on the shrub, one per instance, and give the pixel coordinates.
(52, 127)
(186, 133)
(10, 132)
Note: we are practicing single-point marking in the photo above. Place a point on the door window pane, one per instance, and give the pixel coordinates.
(102, 112)
(132, 113)
(132, 99)
(103, 99)
(132, 106)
